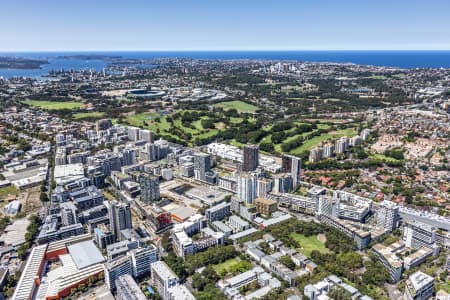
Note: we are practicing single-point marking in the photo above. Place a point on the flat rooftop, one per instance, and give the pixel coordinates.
(85, 254)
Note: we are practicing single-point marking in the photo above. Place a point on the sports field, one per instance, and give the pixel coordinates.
(240, 106)
(226, 265)
(308, 244)
(54, 105)
(85, 115)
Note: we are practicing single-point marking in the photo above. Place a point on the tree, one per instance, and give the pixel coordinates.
(375, 273)
(287, 261)
(338, 293)
(176, 264)
(267, 147)
(43, 197)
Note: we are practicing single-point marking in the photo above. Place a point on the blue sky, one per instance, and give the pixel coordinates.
(37, 25)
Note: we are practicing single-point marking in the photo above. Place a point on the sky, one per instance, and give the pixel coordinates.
(146, 25)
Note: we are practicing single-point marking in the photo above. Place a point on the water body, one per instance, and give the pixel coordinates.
(400, 59)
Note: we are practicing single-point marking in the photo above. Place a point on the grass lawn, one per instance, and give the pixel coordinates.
(225, 265)
(54, 105)
(8, 190)
(236, 120)
(378, 77)
(443, 286)
(311, 143)
(383, 157)
(236, 143)
(308, 244)
(108, 195)
(138, 121)
(240, 106)
(94, 114)
(198, 127)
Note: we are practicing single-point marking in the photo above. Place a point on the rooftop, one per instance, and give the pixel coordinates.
(420, 280)
(85, 254)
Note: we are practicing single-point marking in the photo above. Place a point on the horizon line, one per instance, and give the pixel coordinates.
(227, 50)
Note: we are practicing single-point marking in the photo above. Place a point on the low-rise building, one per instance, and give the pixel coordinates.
(265, 206)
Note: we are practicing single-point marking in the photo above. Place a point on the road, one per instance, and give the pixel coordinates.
(393, 292)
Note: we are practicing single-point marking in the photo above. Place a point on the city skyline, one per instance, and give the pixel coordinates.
(202, 26)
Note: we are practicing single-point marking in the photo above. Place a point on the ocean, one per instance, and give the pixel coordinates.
(399, 59)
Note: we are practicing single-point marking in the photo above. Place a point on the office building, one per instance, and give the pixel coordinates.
(149, 188)
(119, 217)
(387, 215)
(419, 286)
(293, 165)
(163, 278)
(250, 158)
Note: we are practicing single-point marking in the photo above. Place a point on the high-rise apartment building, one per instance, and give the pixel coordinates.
(418, 235)
(293, 165)
(149, 188)
(119, 217)
(342, 145)
(116, 268)
(387, 215)
(202, 164)
(246, 187)
(146, 135)
(327, 150)
(283, 183)
(315, 154)
(133, 133)
(163, 278)
(264, 187)
(250, 159)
